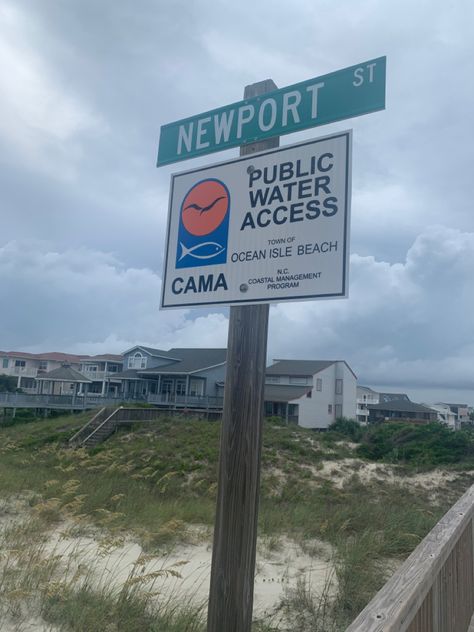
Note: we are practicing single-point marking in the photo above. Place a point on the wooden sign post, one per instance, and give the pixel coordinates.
(256, 123)
(235, 533)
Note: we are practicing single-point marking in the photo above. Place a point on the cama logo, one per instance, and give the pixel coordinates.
(203, 225)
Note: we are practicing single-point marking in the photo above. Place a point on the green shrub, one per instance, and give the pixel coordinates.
(8, 384)
(347, 428)
(430, 444)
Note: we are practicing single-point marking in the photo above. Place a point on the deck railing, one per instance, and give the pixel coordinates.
(105, 422)
(91, 400)
(201, 401)
(25, 400)
(433, 591)
(97, 419)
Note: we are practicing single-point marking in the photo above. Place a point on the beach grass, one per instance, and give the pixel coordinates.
(154, 483)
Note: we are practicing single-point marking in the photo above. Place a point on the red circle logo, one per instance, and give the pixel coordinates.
(205, 207)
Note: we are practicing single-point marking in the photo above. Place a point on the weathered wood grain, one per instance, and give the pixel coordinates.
(433, 591)
(235, 533)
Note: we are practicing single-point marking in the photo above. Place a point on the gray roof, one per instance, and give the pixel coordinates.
(157, 352)
(160, 353)
(297, 367)
(366, 388)
(276, 393)
(401, 405)
(129, 374)
(391, 397)
(454, 405)
(188, 361)
(64, 374)
(109, 357)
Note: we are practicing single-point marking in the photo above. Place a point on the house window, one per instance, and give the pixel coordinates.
(196, 388)
(167, 386)
(329, 409)
(272, 379)
(137, 361)
(181, 387)
(319, 384)
(90, 368)
(268, 409)
(338, 411)
(20, 364)
(338, 387)
(5, 363)
(297, 380)
(43, 365)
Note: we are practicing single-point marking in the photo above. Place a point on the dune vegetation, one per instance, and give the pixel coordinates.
(364, 497)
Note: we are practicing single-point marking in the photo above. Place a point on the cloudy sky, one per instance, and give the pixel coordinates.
(85, 87)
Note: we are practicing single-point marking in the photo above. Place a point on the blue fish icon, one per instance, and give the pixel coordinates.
(206, 250)
(203, 229)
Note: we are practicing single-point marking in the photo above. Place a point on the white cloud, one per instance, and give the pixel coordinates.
(258, 60)
(84, 90)
(399, 326)
(40, 119)
(88, 301)
(401, 323)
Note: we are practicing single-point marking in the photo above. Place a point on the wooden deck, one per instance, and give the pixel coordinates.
(89, 401)
(433, 591)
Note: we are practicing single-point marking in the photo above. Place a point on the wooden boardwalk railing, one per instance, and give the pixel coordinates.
(433, 591)
(91, 400)
(105, 422)
(88, 428)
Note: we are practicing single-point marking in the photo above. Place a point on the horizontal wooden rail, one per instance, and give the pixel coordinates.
(433, 591)
(91, 400)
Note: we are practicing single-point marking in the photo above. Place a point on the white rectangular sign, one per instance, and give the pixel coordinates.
(266, 227)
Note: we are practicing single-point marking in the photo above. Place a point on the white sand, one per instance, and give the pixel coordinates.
(30, 624)
(340, 471)
(281, 562)
(183, 571)
(275, 569)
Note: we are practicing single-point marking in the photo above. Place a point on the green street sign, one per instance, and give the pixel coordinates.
(339, 95)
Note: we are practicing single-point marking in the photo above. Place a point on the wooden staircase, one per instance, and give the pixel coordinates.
(104, 423)
(98, 429)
